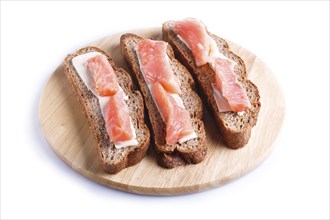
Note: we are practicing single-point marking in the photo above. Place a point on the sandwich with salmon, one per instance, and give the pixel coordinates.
(114, 111)
(221, 78)
(174, 109)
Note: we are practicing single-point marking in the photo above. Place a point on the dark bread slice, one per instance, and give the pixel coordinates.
(169, 156)
(112, 159)
(235, 128)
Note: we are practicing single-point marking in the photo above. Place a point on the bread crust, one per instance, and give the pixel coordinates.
(235, 129)
(169, 156)
(112, 160)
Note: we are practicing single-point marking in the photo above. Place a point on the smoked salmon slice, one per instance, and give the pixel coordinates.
(105, 79)
(194, 34)
(178, 125)
(228, 93)
(163, 101)
(165, 89)
(226, 83)
(177, 118)
(155, 65)
(222, 103)
(117, 119)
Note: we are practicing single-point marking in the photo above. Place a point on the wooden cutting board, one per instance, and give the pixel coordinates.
(67, 132)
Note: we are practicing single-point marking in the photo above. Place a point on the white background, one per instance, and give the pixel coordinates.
(291, 37)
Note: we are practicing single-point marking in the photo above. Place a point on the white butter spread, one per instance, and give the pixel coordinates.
(79, 64)
(178, 101)
(241, 113)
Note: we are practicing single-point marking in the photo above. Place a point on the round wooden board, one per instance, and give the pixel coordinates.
(67, 132)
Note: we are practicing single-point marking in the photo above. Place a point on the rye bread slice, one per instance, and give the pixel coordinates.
(235, 127)
(169, 156)
(112, 159)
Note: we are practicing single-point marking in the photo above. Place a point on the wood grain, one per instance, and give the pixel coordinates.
(67, 132)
